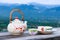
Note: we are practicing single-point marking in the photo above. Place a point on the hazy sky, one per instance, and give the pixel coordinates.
(47, 2)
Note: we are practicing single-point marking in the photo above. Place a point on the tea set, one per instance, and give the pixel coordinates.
(18, 27)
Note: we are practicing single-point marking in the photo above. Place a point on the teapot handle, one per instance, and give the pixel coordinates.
(17, 11)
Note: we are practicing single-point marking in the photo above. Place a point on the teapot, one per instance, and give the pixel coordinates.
(17, 27)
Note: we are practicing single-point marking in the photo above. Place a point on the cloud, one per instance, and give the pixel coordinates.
(46, 2)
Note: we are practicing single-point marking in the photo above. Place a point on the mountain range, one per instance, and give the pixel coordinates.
(32, 12)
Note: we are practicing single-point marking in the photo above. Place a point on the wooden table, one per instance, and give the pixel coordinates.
(26, 36)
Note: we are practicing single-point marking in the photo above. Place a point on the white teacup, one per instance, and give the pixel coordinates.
(45, 28)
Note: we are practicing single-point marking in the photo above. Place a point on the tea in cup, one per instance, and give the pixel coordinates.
(33, 31)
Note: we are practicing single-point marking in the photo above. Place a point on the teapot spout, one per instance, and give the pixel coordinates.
(25, 22)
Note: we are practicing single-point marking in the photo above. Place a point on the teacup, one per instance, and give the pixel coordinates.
(45, 29)
(33, 31)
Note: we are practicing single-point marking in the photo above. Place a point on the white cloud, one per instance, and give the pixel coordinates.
(47, 2)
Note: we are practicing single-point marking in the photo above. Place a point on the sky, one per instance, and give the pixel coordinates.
(46, 2)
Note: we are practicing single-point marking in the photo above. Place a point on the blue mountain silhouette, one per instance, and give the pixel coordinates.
(31, 12)
(34, 13)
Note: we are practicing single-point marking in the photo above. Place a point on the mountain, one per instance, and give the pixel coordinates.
(27, 9)
(52, 13)
(34, 13)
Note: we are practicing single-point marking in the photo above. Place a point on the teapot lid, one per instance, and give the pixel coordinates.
(17, 20)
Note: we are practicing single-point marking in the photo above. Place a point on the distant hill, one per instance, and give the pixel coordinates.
(33, 12)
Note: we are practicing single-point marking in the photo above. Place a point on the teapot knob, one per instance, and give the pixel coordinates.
(16, 17)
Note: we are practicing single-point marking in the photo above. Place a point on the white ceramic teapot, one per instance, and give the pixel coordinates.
(17, 27)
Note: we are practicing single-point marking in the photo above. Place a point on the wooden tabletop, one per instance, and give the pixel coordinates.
(27, 36)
